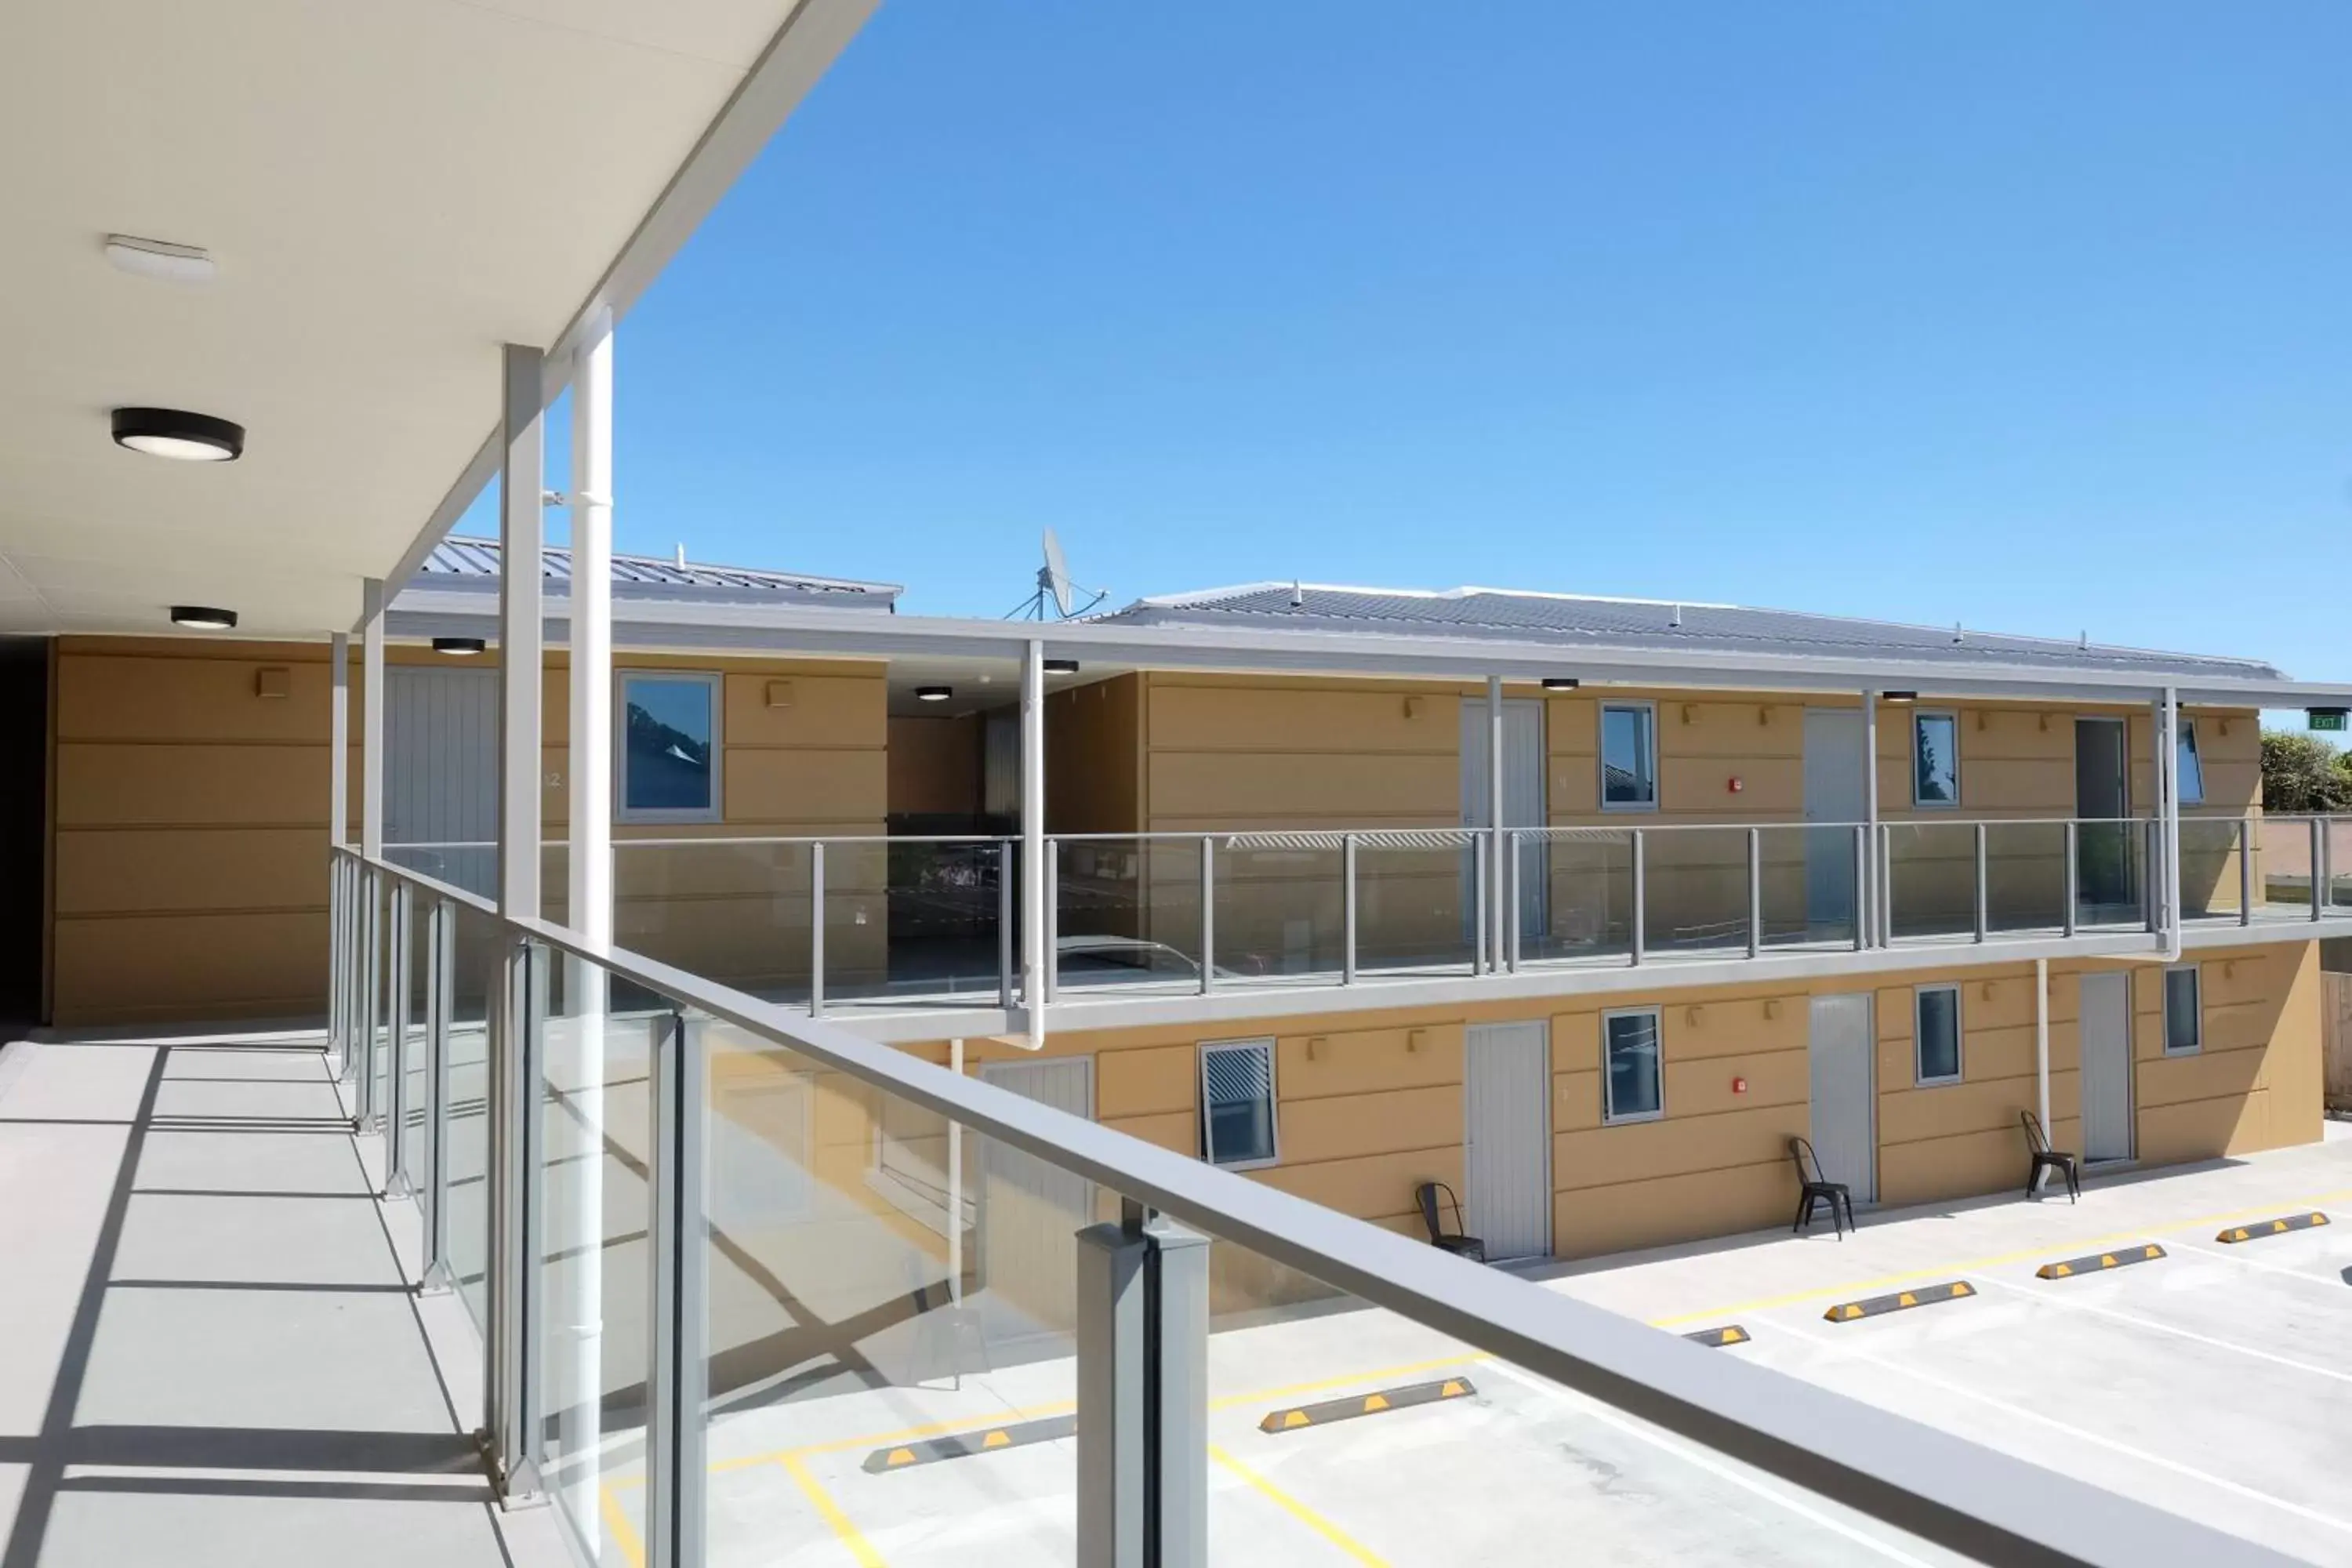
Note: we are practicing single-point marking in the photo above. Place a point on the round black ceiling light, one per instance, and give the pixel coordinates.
(176, 433)
(459, 647)
(933, 693)
(202, 617)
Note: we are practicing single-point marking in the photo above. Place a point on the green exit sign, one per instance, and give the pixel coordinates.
(2327, 718)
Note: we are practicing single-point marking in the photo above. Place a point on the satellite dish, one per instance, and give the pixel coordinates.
(1057, 594)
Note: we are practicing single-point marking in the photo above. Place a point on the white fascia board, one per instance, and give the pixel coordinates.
(811, 630)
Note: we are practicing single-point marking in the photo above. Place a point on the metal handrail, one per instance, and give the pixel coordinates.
(1971, 1499)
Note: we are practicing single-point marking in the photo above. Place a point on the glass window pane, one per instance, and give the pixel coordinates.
(1628, 771)
(667, 763)
(1238, 1083)
(1936, 760)
(2192, 772)
(1632, 1042)
(1939, 1034)
(2182, 1015)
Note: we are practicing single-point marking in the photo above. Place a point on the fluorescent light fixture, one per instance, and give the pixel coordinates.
(460, 647)
(176, 433)
(1560, 683)
(1899, 696)
(933, 693)
(202, 617)
(1061, 666)
(161, 258)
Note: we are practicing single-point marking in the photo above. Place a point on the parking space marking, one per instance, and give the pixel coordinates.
(2027, 1413)
(1853, 1286)
(860, 1548)
(1724, 1472)
(2076, 1304)
(2234, 1255)
(616, 1520)
(1298, 1510)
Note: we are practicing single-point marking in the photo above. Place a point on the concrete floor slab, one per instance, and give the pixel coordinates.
(221, 1160)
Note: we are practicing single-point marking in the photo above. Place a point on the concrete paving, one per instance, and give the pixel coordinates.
(213, 1354)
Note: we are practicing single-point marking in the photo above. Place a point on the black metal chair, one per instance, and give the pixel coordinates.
(1447, 1240)
(1817, 1188)
(2045, 1158)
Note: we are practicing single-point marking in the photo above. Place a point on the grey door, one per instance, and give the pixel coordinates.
(441, 772)
(1835, 795)
(2106, 1067)
(1523, 795)
(1843, 1058)
(1506, 1139)
(1031, 1211)
(2105, 846)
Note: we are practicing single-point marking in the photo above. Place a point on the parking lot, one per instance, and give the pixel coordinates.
(2215, 1381)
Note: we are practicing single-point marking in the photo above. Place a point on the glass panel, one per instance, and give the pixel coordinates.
(1128, 913)
(2183, 1015)
(2208, 868)
(414, 1131)
(2192, 772)
(1938, 1021)
(478, 951)
(596, 1145)
(1808, 885)
(1632, 1042)
(1695, 889)
(1280, 906)
(1931, 870)
(381, 984)
(1414, 900)
(2282, 847)
(669, 723)
(738, 911)
(916, 921)
(1237, 1086)
(1935, 759)
(1629, 771)
(1586, 875)
(2340, 863)
(2111, 857)
(2025, 877)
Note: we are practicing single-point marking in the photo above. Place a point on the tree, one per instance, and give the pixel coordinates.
(2304, 773)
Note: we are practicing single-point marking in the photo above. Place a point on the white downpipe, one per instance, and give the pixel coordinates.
(339, 741)
(589, 863)
(2167, 776)
(955, 1188)
(2042, 1052)
(1499, 883)
(1873, 896)
(1033, 956)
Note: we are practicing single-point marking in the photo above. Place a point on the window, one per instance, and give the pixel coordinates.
(2191, 771)
(1935, 759)
(2184, 1011)
(1935, 1033)
(1630, 1079)
(1629, 756)
(1237, 1104)
(669, 748)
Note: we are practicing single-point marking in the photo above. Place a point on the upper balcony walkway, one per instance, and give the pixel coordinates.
(213, 1351)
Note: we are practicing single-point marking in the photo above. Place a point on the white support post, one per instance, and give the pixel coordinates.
(588, 770)
(522, 538)
(1866, 918)
(955, 1190)
(1498, 886)
(1035, 917)
(2042, 1051)
(372, 1011)
(2168, 774)
(339, 817)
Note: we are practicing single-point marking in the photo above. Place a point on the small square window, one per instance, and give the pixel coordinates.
(669, 748)
(2191, 771)
(1935, 759)
(1629, 756)
(1936, 1021)
(1237, 1104)
(1630, 1081)
(2184, 1011)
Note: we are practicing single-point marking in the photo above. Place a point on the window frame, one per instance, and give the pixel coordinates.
(1610, 1115)
(2196, 1045)
(1919, 1077)
(1649, 712)
(2186, 742)
(1264, 1046)
(716, 682)
(1919, 717)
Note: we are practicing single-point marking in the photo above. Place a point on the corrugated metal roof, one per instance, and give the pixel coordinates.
(1599, 624)
(462, 560)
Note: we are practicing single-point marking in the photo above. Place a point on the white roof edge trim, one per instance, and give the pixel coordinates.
(1210, 595)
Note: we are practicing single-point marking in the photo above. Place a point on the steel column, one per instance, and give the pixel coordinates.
(1050, 962)
(2170, 771)
(440, 992)
(339, 792)
(515, 1388)
(1875, 892)
(1114, 1448)
(522, 535)
(677, 1311)
(1036, 908)
(1495, 884)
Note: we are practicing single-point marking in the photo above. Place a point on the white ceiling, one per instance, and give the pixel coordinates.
(391, 190)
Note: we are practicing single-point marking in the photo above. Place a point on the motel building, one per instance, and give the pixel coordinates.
(532, 1055)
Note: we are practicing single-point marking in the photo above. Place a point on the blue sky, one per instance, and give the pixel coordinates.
(2033, 316)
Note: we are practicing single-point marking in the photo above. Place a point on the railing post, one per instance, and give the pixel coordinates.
(1883, 907)
(1347, 909)
(1006, 963)
(2245, 871)
(817, 929)
(2318, 867)
(1984, 897)
(395, 1071)
(1512, 916)
(1208, 913)
(2073, 875)
(516, 1385)
(1482, 962)
(678, 1292)
(1640, 900)
(2150, 879)
(440, 995)
(371, 969)
(1755, 891)
(1861, 886)
(1050, 918)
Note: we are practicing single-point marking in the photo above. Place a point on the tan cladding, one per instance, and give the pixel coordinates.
(1370, 1104)
(191, 816)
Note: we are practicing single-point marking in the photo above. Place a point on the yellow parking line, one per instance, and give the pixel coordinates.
(1993, 1260)
(616, 1520)
(861, 1548)
(1298, 1510)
